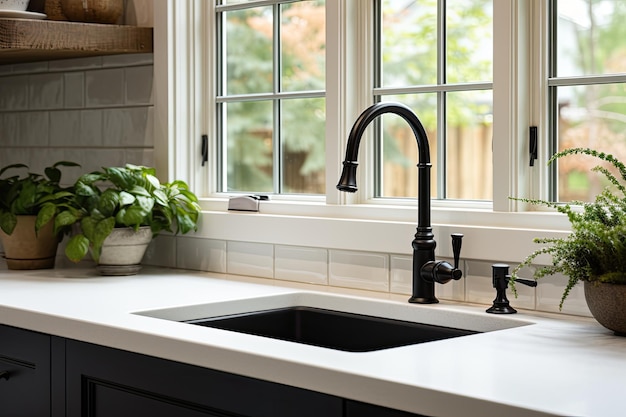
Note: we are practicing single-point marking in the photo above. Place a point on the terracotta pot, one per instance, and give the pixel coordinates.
(123, 250)
(93, 11)
(607, 303)
(24, 249)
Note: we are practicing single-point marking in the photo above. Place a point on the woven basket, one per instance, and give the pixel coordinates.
(52, 8)
(93, 11)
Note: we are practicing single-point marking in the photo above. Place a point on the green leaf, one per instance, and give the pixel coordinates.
(126, 199)
(101, 231)
(8, 221)
(154, 181)
(64, 219)
(2, 171)
(135, 214)
(44, 216)
(53, 174)
(139, 191)
(160, 197)
(109, 201)
(77, 247)
(184, 222)
(88, 226)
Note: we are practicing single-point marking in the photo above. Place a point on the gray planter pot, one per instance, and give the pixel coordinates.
(123, 250)
(607, 303)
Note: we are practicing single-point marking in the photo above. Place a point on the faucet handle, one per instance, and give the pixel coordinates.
(457, 240)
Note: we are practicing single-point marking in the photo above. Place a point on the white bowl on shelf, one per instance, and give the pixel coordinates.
(17, 5)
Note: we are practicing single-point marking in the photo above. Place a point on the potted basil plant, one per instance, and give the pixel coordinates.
(31, 223)
(122, 204)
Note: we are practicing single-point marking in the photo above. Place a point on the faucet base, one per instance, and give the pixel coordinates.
(423, 300)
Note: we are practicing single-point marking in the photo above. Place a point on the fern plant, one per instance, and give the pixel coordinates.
(595, 251)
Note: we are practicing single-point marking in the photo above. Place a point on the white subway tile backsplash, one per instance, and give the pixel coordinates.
(201, 254)
(45, 91)
(361, 270)
(33, 130)
(161, 252)
(6, 69)
(30, 67)
(248, 258)
(128, 127)
(401, 274)
(74, 64)
(90, 128)
(65, 128)
(294, 263)
(138, 85)
(104, 88)
(10, 125)
(74, 89)
(550, 291)
(14, 95)
(143, 157)
(127, 60)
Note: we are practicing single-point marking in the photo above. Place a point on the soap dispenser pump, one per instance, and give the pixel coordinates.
(501, 279)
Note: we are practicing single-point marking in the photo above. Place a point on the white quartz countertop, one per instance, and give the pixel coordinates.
(553, 366)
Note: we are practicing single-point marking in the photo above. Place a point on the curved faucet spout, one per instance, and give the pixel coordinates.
(347, 182)
(426, 271)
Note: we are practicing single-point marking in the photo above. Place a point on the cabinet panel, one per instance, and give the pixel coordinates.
(108, 400)
(25, 366)
(91, 368)
(358, 409)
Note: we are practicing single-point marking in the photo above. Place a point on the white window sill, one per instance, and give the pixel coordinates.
(494, 236)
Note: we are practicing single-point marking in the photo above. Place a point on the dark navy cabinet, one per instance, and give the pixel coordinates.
(107, 382)
(25, 373)
(50, 376)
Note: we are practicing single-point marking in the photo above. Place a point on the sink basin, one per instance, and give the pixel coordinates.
(346, 323)
(331, 329)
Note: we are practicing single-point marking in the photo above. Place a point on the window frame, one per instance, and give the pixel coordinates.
(278, 96)
(185, 74)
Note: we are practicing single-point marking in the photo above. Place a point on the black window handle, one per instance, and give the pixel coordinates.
(4, 374)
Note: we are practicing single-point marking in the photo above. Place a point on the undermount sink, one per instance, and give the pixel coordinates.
(331, 329)
(338, 322)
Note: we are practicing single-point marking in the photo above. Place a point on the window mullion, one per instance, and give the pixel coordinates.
(441, 99)
(276, 103)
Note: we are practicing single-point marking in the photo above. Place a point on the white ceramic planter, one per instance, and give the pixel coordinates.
(123, 250)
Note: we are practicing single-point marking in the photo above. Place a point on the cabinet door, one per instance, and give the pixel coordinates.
(105, 382)
(25, 373)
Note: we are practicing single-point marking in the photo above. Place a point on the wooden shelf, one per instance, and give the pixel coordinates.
(25, 40)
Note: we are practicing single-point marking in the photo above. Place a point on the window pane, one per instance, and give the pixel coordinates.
(589, 116)
(303, 40)
(590, 37)
(248, 45)
(303, 152)
(469, 151)
(469, 40)
(249, 146)
(399, 147)
(409, 42)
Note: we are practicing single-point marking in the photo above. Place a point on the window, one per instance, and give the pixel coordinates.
(446, 80)
(270, 103)
(586, 90)
(436, 57)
